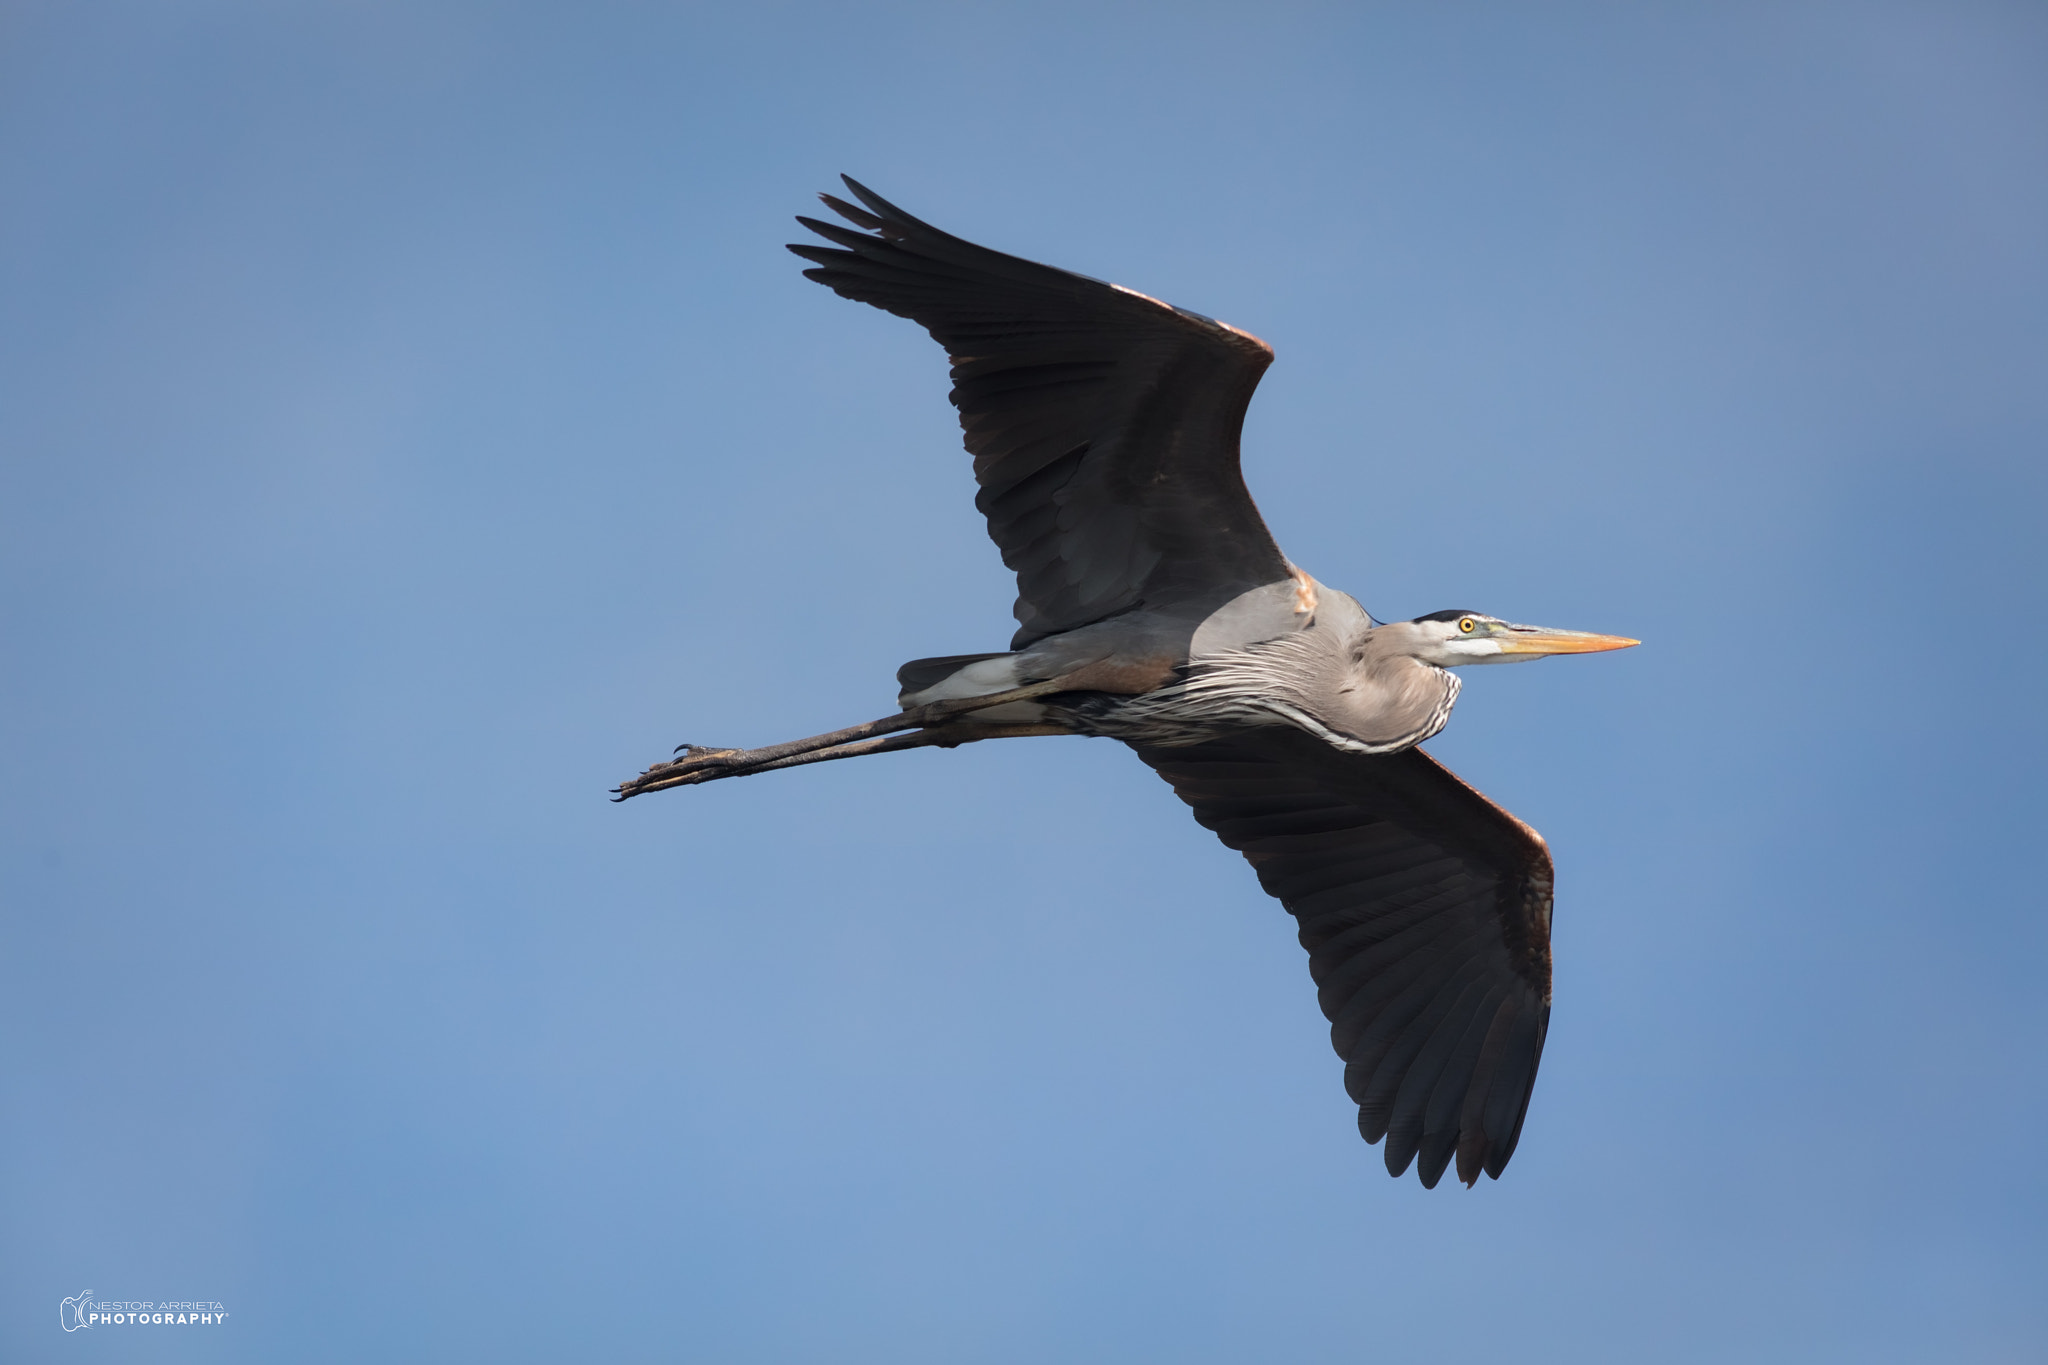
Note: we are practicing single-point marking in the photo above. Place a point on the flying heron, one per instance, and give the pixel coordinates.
(1153, 607)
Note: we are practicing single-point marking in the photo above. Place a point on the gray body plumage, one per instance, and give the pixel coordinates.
(1289, 653)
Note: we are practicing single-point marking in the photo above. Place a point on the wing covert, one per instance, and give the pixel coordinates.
(1425, 909)
(1104, 424)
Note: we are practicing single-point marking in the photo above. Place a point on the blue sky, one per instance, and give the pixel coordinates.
(410, 425)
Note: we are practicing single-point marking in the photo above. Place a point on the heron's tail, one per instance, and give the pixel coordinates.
(954, 675)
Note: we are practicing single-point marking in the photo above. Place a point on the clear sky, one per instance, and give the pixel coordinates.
(410, 425)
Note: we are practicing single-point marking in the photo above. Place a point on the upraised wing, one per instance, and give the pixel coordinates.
(1425, 909)
(1104, 424)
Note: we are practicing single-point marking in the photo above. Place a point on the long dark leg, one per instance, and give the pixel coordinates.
(664, 776)
(698, 765)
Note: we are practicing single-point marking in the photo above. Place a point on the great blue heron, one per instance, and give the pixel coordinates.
(1153, 607)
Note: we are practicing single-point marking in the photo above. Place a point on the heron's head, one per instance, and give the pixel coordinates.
(1452, 639)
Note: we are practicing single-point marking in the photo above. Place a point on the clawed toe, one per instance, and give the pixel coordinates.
(694, 758)
(690, 751)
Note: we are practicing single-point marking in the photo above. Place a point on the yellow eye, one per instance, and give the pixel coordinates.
(1467, 625)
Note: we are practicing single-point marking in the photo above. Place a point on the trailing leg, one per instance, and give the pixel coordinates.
(698, 764)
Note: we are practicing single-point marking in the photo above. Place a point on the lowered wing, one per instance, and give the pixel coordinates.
(1104, 424)
(1425, 909)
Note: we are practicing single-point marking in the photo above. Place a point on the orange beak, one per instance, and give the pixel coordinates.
(1537, 640)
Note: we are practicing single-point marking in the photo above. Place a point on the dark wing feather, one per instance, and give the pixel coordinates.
(1103, 424)
(1425, 909)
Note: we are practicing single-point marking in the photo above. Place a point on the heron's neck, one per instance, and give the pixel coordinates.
(1364, 691)
(1389, 699)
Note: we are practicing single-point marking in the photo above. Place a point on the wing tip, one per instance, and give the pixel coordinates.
(1475, 1151)
(881, 210)
(859, 217)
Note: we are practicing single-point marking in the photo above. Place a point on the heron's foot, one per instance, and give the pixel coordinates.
(694, 763)
(694, 751)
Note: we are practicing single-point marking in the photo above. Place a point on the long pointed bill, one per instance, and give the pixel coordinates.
(1537, 640)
